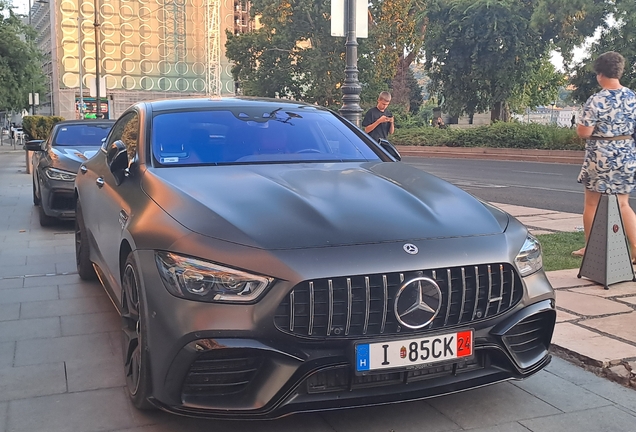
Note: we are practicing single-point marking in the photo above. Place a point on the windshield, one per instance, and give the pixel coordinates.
(81, 135)
(249, 135)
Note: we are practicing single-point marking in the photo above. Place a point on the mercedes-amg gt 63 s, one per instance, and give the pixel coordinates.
(268, 257)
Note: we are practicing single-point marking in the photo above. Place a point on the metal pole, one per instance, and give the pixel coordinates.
(32, 98)
(81, 75)
(351, 89)
(98, 105)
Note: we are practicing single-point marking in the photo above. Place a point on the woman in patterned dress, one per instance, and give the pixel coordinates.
(607, 123)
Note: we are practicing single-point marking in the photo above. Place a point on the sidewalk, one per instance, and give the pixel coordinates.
(38, 284)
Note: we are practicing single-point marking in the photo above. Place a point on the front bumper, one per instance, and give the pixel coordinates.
(230, 361)
(57, 198)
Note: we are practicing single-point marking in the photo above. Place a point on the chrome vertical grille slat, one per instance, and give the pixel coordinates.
(367, 304)
(476, 293)
(349, 308)
(330, 299)
(312, 308)
(362, 305)
(385, 298)
(462, 303)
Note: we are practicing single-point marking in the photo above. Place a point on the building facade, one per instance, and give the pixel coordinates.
(146, 49)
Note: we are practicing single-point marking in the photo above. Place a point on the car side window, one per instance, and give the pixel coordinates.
(127, 130)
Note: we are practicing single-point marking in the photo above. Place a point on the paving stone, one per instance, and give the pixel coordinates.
(66, 267)
(9, 311)
(591, 345)
(51, 280)
(27, 269)
(508, 427)
(91, 411)
(559, 393)
(623, 325)
(571, 372)
(616, 393)
(517, 211)
(401, 417)
(567, 279)
(65, 307)
(565, 316)
(490, 406)
(564, 224)
(22, 295)
(23, 329)
(12, 260)
(7, 351)
(91, 323)
(30, 381)
(4, 407)
(65, 348)
(95, 373)
(65, 249)
(591, 420)
(616, 290)
(11, 283)
(583, 304)
(52, 259)
(114, 338)
(630, 300)
(49, 244)
(84, 289)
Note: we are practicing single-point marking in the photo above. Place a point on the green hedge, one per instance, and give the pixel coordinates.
(38, 127)
(502, 135)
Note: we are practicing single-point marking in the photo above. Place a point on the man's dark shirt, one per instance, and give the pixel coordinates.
(382, 130)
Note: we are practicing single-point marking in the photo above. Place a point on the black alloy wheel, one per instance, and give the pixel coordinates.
(82, 248)
(133, 338)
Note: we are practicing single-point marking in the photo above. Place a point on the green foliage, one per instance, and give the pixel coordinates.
(542, 87)
(557, 250)
(39, 127)
(499, 135)
(20, 68)
(620, 36)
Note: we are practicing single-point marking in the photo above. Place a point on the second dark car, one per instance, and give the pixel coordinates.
(56, 161)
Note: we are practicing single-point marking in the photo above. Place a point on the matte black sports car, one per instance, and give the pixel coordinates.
(268, 257)
(56, 161)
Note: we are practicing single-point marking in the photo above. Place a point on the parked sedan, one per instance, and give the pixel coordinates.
(268, 257)
(56, 161)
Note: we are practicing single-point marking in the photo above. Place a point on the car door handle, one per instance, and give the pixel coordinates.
(99, 181)
(83, 169)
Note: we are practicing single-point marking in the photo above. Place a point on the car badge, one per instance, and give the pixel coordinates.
(417, 302)
(410, 249)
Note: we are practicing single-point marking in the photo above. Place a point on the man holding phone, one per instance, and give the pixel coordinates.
(378, 121)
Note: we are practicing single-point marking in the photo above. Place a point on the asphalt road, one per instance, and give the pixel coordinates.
(532, 184)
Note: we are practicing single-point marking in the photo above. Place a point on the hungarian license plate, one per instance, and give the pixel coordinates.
(413, 352)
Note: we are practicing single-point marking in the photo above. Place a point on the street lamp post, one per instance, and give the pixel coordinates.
(98, 104)
(32, 100)
(80, 20)
(351, 89)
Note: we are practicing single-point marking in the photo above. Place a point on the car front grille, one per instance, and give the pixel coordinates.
(63, 201)
(349, 307)
(220, 373)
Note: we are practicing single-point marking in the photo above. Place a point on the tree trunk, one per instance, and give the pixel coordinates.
(500, 112)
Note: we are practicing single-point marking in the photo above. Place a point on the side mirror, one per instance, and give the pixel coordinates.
(117, 160)
(34, 145)
(390, 149)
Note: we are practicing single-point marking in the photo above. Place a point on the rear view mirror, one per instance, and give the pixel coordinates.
(34, 145)
(390, 149)
(117, 160)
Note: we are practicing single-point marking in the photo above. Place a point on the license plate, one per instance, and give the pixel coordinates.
(413, 352)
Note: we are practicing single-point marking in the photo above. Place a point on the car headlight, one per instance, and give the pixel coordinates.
(58, 174)
(529, 259)
(204, 281)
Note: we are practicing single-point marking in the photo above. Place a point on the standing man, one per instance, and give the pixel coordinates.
(378, 122)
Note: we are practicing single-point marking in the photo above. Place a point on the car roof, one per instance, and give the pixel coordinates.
(227, 102)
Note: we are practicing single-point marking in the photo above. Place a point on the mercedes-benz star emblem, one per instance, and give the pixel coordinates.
(417, 302)
(410, 249)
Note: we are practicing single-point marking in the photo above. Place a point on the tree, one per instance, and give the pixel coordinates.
(480, 52)
(20, 61)
(293, 54)
(543, 86)
(616, 35)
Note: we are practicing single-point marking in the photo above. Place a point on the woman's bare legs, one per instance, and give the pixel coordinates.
(589, 210)
(629, 220)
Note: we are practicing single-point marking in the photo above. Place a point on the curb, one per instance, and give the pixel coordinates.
(488, 153)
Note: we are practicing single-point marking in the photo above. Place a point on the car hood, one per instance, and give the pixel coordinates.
(77, 154)
(317, 205)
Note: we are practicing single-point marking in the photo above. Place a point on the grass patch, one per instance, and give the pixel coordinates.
(557, 250)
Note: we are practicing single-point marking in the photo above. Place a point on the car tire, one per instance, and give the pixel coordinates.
(45, 220)
(134, 337)
(36, 199)
(85, 267)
